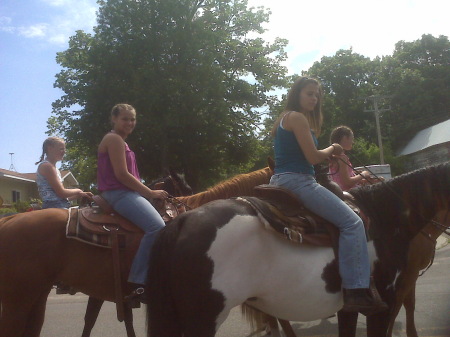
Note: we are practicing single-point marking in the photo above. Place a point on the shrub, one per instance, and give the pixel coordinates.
(7, 210)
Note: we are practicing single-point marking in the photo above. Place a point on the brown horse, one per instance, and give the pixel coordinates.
(192, 287)
(35, 253)
(420, 257)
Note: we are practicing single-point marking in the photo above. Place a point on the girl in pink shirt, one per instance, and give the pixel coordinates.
(119, 183)
(340, 168)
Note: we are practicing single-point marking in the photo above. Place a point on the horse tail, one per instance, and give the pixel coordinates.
(257, 319)
(162, 315)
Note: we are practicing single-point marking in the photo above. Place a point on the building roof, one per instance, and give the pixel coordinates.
(31, 177)
(19, 176)
(434, 135)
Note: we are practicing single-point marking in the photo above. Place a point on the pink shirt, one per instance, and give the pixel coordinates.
(334, 173)
(106, 178)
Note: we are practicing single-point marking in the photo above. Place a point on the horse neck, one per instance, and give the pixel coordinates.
(240, 185)
(409, 202)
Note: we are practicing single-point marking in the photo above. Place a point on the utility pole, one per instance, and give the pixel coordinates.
(11, 167)
(377, 111)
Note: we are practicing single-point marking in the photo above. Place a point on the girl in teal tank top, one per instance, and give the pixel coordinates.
(296, 152)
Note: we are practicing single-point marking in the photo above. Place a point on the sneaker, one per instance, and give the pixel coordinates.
(364, 301)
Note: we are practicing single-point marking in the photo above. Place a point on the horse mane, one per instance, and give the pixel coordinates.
(240, 185)
(409, 199)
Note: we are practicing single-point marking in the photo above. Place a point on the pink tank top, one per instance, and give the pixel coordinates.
(334, 174)
(106, 178)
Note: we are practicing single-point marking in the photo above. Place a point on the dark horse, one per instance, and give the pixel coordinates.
(176, 186)
(35, 253)
(209, 259)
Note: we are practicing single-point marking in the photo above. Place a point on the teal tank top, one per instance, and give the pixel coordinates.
(289, 156)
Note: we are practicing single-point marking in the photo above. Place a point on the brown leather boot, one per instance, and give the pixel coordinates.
(364, 301)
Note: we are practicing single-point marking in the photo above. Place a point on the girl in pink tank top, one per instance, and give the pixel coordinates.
(340, 168)
(119, 181)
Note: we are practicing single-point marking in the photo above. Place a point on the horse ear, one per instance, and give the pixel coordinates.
(166, 172)
(173, 174)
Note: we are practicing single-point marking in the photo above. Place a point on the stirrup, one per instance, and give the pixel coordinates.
(137, 295)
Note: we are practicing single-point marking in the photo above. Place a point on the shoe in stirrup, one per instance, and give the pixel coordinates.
(363, 300)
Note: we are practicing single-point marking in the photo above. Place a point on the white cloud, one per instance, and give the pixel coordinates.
(66, 17)
(370, 27)
(38, 30)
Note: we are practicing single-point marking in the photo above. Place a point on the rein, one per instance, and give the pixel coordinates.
(428, 236)
(171, 198)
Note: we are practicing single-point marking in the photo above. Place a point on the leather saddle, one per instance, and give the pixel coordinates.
(95, 224)
(281, 211)
(100, 225)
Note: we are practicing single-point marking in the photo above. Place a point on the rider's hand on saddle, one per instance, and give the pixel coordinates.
(159, 194)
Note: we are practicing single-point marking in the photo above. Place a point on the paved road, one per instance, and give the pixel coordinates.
(64, 317)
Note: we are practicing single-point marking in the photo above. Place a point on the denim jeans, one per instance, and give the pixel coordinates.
(56, 204)
(354, 266)
(140, 211)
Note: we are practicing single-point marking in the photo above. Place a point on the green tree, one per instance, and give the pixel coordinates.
(196, 72)
(347, 78)
(417, 76)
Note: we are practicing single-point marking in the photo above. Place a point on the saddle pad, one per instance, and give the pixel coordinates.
(75, 230)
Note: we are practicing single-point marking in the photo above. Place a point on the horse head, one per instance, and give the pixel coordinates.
(173, 183)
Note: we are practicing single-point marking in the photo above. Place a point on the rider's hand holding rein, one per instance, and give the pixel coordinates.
(337, 149)
(159, 194)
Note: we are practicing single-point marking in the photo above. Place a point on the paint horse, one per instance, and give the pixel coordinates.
(36, 241)
(209, 259)
(174, 184)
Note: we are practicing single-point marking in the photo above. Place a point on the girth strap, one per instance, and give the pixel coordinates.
(117, 276)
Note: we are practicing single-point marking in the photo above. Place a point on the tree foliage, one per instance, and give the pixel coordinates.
(193, 71)
(202, 81)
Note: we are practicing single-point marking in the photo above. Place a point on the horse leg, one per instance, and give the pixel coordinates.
(92, 310)
(287, 328)
(272, 326)
(410, 304)
(23, 316)
(377, 324)
(36, 316)
(347, 322)
(128, 318)
(400, 295)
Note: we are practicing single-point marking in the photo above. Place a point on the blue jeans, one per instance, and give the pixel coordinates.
(140, 211)
(354, 266)
(63, 203)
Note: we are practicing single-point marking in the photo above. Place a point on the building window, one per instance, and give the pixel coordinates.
(15, 196)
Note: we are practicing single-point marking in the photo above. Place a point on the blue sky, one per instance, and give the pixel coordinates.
(33, 31)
